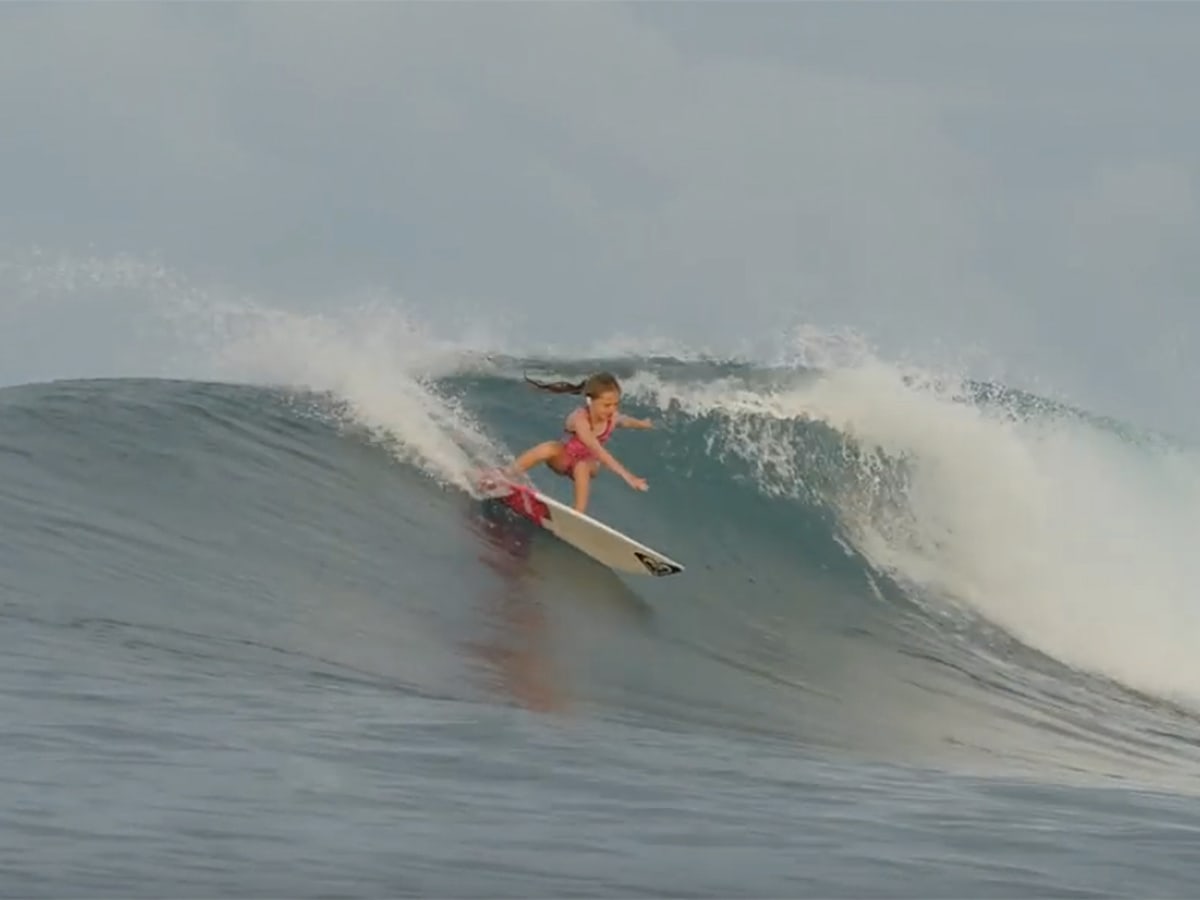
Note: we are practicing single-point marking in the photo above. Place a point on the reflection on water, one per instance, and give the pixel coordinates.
(519, 647)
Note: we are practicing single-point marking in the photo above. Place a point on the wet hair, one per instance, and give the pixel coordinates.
(592, 386)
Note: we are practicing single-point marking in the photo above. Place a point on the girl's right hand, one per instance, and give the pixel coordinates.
(638, 484)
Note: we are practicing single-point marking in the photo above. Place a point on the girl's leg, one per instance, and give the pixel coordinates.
(543, 452)
(583, 482)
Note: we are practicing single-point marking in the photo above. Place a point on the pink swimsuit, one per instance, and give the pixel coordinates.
(577, 451)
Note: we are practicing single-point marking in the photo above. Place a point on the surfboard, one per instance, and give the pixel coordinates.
(601, 542)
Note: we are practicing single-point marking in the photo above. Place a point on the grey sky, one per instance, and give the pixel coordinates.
(1018, 180)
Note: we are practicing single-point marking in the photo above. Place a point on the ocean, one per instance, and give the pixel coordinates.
(935, 638)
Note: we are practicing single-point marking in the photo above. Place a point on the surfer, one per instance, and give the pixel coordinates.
(581, 452)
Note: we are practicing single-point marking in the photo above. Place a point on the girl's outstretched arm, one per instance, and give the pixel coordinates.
(631, 422)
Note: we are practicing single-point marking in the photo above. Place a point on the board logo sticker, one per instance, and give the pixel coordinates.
(655, 566)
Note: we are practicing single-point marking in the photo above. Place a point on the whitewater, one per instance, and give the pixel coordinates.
(935, 637)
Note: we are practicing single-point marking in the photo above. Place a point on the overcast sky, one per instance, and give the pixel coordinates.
(1016, 179)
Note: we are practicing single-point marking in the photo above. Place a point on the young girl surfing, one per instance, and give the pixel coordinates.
(581, 452)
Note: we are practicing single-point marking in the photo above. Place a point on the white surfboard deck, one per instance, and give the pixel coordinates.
(601, 542)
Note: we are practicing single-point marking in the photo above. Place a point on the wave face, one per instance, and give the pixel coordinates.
(283, 603)
(955, 540)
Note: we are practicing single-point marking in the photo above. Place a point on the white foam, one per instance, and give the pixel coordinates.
(372, 354)
(1075, 540)
(382, 366)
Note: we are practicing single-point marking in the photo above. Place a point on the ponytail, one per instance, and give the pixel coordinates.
(558, 387)
(591, 386)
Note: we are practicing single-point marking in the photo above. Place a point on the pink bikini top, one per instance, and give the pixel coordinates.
(601, 437)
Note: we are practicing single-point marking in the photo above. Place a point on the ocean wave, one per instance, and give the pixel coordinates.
(874, 565)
